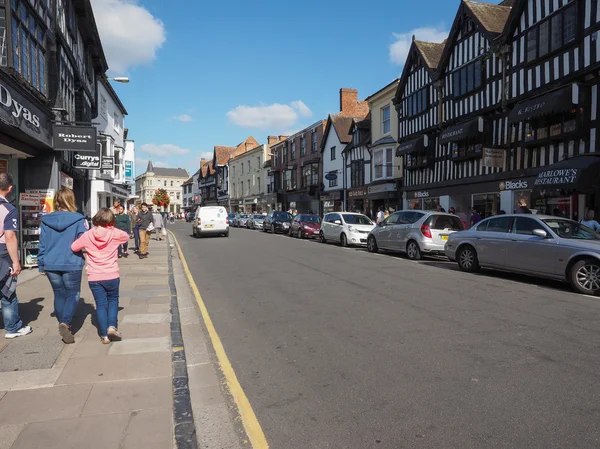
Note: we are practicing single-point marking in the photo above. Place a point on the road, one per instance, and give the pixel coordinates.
(339, 348)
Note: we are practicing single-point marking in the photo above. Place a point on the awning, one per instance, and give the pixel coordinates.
(560, 100)
(580, 173)
(463, 130)
(411, 146)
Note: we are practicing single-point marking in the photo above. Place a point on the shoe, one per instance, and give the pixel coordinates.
(113, 334)
(141, 256)
(23, 331)
(105, 340)
(120, 256)
(65, 333)
(125, 255)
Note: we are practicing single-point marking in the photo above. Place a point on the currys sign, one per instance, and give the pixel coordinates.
(88, 161)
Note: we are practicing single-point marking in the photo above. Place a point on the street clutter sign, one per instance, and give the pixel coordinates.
(66, 181)
(88, 161)
(75, 138)
(108, 163)
(493, 157)
(128, 170)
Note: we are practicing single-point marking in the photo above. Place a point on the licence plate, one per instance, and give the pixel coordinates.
(444, 237)
(208, 226)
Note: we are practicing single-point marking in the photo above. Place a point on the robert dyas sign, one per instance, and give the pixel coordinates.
(75, 138)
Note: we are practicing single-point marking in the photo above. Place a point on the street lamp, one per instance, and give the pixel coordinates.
(120, 79)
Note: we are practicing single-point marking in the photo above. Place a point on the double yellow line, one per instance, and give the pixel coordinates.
(250, 422)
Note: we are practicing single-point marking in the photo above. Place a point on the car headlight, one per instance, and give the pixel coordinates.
(351, 229)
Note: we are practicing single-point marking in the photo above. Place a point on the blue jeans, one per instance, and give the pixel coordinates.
(67, 287)
(106, 295)
(123, 248)
(10, 314)
(136, 236)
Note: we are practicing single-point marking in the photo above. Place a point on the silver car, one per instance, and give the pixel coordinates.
(414, 232)
(255, 221)
(538, 245)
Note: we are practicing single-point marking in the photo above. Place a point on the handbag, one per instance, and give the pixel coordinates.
(150, 227)
(164, 232)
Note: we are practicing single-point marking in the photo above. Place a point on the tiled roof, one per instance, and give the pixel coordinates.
(222, 154)
(171, 172)
(189, 181)
(492, 17)
(431, 52)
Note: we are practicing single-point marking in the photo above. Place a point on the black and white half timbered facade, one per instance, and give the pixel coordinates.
(357, 157)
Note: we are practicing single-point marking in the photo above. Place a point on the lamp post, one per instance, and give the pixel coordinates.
(120, 79)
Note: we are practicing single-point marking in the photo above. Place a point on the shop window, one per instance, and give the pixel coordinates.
(466, 149)
(553, 33)
(468, 78)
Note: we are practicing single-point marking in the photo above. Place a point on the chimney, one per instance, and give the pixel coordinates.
(282, 138)
(349, 104)
(272, 140)
(202, 162)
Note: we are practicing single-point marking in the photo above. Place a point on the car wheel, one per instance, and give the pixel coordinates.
(467, 259)
(226, 234)
(194, 232)
(413, 251)
(585, 277)
(272, 229)
(372, 244)
(343, 240)
(322, 237)
(300, 235)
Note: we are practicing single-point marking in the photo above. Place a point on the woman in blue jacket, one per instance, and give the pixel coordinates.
(55, 259)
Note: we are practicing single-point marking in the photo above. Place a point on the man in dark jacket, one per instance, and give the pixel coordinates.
(144, 219)
(123, 222)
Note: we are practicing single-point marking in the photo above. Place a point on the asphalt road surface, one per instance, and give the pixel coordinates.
(339, 348)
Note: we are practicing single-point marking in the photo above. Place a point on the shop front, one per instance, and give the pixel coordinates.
(357, 200)
(384, 196)
(105, 194)
(271, 201)
(250, 204)
(303, 203)
(332, 201)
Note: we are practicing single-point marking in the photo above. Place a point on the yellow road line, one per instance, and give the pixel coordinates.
(249, 420)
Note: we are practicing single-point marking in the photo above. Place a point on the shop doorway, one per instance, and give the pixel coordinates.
(486, 204)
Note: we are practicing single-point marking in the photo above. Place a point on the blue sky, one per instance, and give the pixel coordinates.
(212, 73)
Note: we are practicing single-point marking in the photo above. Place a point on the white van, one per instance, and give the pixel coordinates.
(211, 220)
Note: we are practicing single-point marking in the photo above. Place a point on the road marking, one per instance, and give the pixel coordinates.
(249, 420)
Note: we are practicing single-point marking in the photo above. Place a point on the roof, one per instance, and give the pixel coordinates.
(492, 17)
(206, 169)
(431, 52)
(396, 81)
(383, 141)
(342, 125)
(364, 127)
(115, 98)
(222, 154)
(171, 172)
(189, 181)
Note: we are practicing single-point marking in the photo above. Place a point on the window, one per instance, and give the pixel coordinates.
(553, 33)
(310, 175)
(103, 107)
(171, 183)
(313, 141)
(258, 161)
(357, 174)
(467, 78)
(248, 167)
(333, 182)
(28, 43)
(233, 171)
(258, 184)
(417, 102)
(3, 60)
(284, 158)
(498, 224)
(242, 169)
(384, 160)
(525, 226)
(165, 183)
(385, 120)
(117, 122)
(178, 196)
(293, 151)
(332, 149)
(242, 188)
(302, 146)
(289, 179)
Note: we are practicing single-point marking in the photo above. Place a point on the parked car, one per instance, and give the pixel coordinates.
(211, 220)
(305, 225)
(240, 220)
(414, 232)
(277, 221)
(537, 245)
(231, 217)
(348, 228)
(255, 221)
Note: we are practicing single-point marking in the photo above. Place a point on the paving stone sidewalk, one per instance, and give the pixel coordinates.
(88, 394)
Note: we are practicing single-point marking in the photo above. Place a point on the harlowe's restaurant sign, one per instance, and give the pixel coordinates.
(557, 177)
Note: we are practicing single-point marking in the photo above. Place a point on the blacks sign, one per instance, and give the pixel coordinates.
(88, 161)
(75, 138)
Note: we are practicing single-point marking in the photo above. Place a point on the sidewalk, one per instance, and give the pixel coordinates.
(88, 394)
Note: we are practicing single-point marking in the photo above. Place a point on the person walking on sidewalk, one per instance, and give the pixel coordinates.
(10, 266)
(136, 228)
(123, 222)
(115, 208)
(61, 266)
(145, 220)
(159, 224)
(101, 244)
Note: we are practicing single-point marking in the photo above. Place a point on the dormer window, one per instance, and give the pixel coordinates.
(467, 78)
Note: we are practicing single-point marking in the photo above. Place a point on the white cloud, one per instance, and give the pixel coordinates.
(130, 34)
(183, 118)
(208, 155)
(273, 116)
(399, 49)
(165, 149)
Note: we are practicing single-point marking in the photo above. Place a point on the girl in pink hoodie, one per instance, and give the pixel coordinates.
(101, 244)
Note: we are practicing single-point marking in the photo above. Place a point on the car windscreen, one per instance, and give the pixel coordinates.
(357, 219)
(310, 219)
(282, 216)
(243, 216)
(441, 222)
(568, 229)
(258, 217)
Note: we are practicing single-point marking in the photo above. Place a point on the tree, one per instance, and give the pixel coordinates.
(161, 198)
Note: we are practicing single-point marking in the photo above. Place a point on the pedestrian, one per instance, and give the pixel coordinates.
(101, 244)
(136, 228)
(502, 212)
(115, 208)
(452, 211)
(590, 221)
(62, 266)
(171, 218)
(123, 222)
(158, 223)
(523, 210)
(145, 220)
(10, 266)
(380, 215)
(386, 214)
(475, 217)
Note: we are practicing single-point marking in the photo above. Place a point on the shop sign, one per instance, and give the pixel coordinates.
(514, 185)
(493, 157)
(88, 161)
(4, 165)
(356, 192)
(45, 199)
(128, 170)
(557, 177)
(108, 163)
(66, 181)
(119, 191)
(422, 194)
(382, 188)
(75, 138)
(29, 199)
